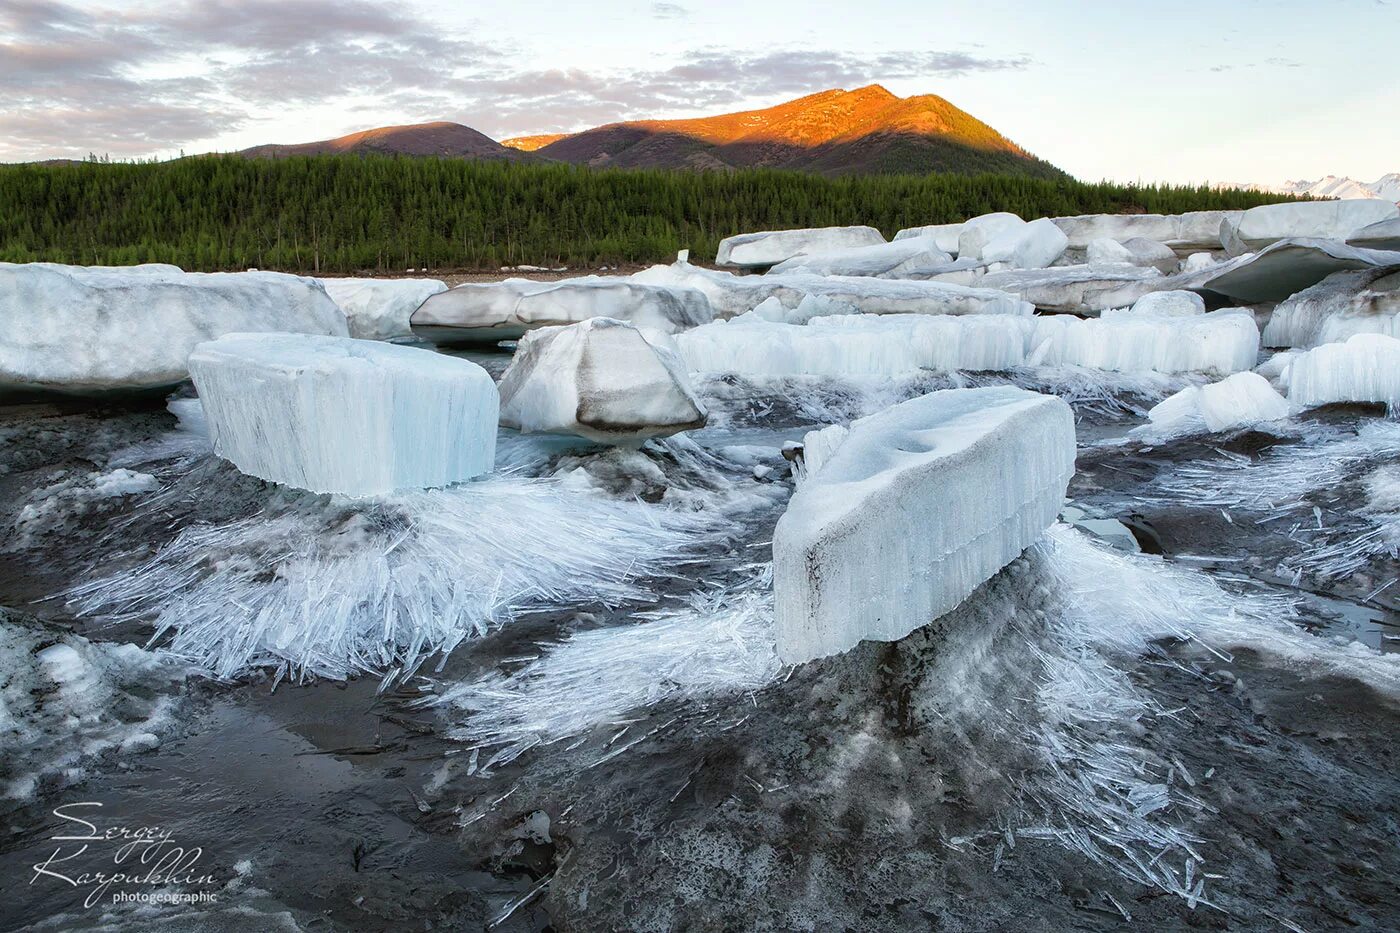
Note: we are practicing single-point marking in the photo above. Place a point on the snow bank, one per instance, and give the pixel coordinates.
(599, 379)
(65, 700)
(95, 331)
(1238, 401)
(334, 587)
(1343, 304)
(1221, 342)
(1289, 266)
(1262, 226)
(853, 345)
(902, 259)
(770, 247)
(379, 309)
(917, 506)
(945, 235)
(1366, 368)
(348, 416)
(495, 311)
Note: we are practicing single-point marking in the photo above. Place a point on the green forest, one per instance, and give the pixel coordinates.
(388, 214)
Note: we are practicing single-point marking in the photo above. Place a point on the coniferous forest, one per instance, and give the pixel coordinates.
(387, 214)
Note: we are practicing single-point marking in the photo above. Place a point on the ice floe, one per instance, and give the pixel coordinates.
(936, 494)
(1241, 400)
(901, 259)
(1289, 266)
(1221, 342)
(493, 311)
(1262, 226)
(600, 379)
(85, 330)
(342, 415)
(945, 235)
(379, 309)
(770, 247)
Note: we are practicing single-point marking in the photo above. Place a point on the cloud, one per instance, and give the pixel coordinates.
(131, 80)
(97, 78)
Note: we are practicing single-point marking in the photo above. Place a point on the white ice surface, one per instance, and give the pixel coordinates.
(1237, 401)
(1221, 342)
(900, 259)
(1168, 304)
(1135, 251)
(1032, 246)
(600, 379)
(732, 295)
(379, 309)
(1345, 303)
(982, 230)
(853, 345)
(915, 508)
(342, 415)
(104, 330)
(1366, 368)
(1260, 226)
(1078, 288)
(492, 310)
(770, 247)
(1384, 234)
(1192, 230)
(945, 235)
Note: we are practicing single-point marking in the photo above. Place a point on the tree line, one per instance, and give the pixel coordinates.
(387, 214)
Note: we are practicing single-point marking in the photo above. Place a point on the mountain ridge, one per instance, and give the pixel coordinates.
(834, 132)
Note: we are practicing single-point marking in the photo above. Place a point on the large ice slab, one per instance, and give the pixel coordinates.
(770, 247)
(1366, 368)
(857, 345)
(346, 416)
(493, 311)
(380, 309)
(1289, 266)
(1167, 304)
(84, 330)
(1241, 400)
(1384, 234)
(1220, 342)
(1194, 230)
(945, 235)
(978, 232)
(907, 257)
(598, 379)
(146, 268)
(1031, 246)
(1077, 289)
(732, 295)
(1135, 251)
(1345, 303)
(1259, 227)
(913, 510)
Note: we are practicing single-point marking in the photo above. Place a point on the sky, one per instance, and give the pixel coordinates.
(1229, 91)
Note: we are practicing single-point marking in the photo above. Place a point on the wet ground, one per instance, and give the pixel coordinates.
(920, 785)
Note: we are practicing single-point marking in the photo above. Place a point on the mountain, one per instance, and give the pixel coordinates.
(532, 143)
(1387, 187)
(450, 140)
(836, 132)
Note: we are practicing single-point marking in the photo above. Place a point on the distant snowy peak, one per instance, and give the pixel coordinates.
(1387, 187)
